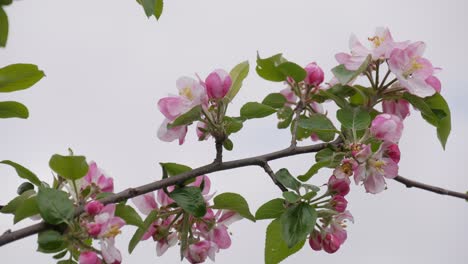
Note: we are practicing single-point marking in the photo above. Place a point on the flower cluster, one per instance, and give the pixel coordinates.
(200, 237)
(206, 94)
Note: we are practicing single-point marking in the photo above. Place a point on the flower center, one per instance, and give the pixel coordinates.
(187, 92)
(113, 231)
(376, 40)
(414, 66)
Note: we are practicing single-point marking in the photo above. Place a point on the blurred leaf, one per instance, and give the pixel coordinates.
(27, 209)
(227, 144)
(291, 197)
(275, 100)
(234, 202)
(238, 74)
(12, 109)
(285, 178)
(12, 206)
(128, 214)
(54, 206)
(297, 223)
(268, 68)
(23, 172)
(3, 27)
(271, 209)
(19, 76)
(50, 240)
(187, 118)
(285, 115)
(276, 250)
(136, 238)
(158, 8)
(256, 110)
(291, 69)
(190, 199)
(25, 186)
(312, 171)
(69, 167)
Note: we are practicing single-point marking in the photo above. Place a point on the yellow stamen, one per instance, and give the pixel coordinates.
(113, 231)
(376, 40)
(186, 92)
(415, 65)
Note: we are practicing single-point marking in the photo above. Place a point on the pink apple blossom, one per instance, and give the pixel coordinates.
(89, 257)
(414, 72)
(289, 95)
(109, 252)
(338, 203)
(202, 132)
(171, 134)
(173, 106)
(391, 150)
(192, 90)
(315, 75)
(398, 107)
(315, 240)
(338, 186)
(218, 84)
(198, 252)
(344, 170)
(93, 207)
(387, 127)
(164, 244)
(361, 152)
(145, 203)
(97, 180)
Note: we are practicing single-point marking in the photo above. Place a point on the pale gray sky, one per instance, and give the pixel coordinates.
(107, 66)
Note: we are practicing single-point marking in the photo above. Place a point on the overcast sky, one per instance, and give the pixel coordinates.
(107, 65)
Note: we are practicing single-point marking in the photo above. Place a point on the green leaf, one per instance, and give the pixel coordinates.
(25, 186)
(291, 197)
(67, 261)
(440, 109)
(285, 116)
(238, 74)
(421, 105)
(187, 118)
(50, 240)
(27, 209)
(268, 68)
(174, 169)
(275, 100)
(148, 6)
(227, 144)
(234, 202)
(354, 118)
(285, 178)
(128, 214)
(23, 172)
(344, 75)
(136, 238)
(5, 2)
(3, 28)
(12, 109)
(69, 167)
(320, 125)
(232, 125)
(271, 209)
(291, 69)
(19, 76)
(190, 199)
(256, 110)
(312, 171)
(158, 8)
(12, 206)
(276, 250)
(341, 102)
(54, 206)
(325, 158)
(60, 255)
(297, 222)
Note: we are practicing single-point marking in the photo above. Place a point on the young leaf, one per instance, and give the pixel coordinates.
(232, 125)
(271, 209)
(297, 222)
(312, 171)
(27, 209)
(354, 118)
(440, 109)
(54, 206)
(23, 172)
(227, 144)
(3, 27)
(276, 250)
(25, 186)
(285, 115)
(50, 240)
(344, 75)
(12, 206)
(11, 109)
(19, 76)
(256, 110)
(142, 230)
(190, 199)
(421, 105)
(69, 167)
(268, 68)
(275, 100)
(129, 215)
(291, 197)
(233, 202)
(320, 125)
(285, 178)
(174, 169)
(238, 74)
(291, 69)
(158, 9)
(148, 6)
(188, 118)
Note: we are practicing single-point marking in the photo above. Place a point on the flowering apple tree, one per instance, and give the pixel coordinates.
(373, 86)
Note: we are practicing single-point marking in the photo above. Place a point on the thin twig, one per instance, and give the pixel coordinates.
(300, 106)
(219, 151)
(270, 173)
(410, 184)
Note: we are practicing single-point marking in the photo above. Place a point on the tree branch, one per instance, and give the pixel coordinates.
(410, 184)
(270, 173)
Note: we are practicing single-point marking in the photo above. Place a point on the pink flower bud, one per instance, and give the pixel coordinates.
(339, 203)
(361, 152)
(198, 252)
(218, 84)
(338, 186)
(315, 240)
(89, 257)
(331, 243)
(94, 229)
(399, 108)
(315, 75)
(93, 207)
(387, 127)
(392, 151)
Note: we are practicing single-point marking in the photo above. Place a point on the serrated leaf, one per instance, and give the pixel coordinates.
(234, 202)
(285, 178)
(320, 125)
(23, 172)
(19, 76)
(12, 109)
(276, 250)
(275, 100)
(136, 238)
(190, 199)
(354, 118)
(187, 118)
(69, 167)
(54, 206)
(271, 209)
(297, 223)
(256, 110)
(238, 74)
(27, 209)
(129, 215)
